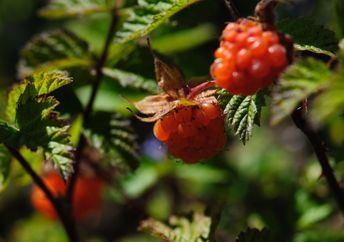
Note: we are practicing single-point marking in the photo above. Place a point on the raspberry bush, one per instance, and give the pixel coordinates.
(176, 119)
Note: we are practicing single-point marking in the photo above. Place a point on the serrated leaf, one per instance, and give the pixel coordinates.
(5, 161)
(41, 83)
(305, 32)
(71, 8)
(115, 139)
(37, 122)
(242, 112)
(128, 79)
(254, 235)
(300, 80)
(179, 229)
(148, 15)
(6, 131)
(57, 49)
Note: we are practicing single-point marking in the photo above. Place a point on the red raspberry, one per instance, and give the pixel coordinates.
(192, 133)
(87, 195)
(248, 58)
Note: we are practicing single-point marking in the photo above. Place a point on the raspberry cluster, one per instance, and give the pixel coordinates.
(84, 202)
(192, 133)
(248, 58)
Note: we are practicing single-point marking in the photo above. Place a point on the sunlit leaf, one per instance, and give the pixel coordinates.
(148, 15)
(302, 79)
(179, 229)
(242, 112)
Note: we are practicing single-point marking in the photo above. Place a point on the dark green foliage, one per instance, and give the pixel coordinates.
(58, 49)
(309, 35)
(113, 136)
(254, 235)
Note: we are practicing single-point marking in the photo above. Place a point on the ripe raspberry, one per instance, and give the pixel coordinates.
(87, 195)
(192, 133)
(248, 59)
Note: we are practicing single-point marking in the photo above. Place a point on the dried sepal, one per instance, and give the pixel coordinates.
(169, 78)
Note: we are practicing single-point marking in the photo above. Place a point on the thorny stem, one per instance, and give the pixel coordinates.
(88, 110)
(64, 216)
(301, 122)
(232, 9)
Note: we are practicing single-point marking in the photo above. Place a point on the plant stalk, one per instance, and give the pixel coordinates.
(88, 110)
(65, 218)
(301, 122)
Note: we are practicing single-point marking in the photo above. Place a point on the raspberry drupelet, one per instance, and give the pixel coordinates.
(249, 58)
(192, 133)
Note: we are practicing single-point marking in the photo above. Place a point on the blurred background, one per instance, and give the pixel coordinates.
(273, 181)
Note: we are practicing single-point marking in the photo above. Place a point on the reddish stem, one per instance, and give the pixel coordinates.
(201, 87)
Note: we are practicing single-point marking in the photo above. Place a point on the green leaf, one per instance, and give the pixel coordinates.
(148, 15)
(254, 235)
(5, 161)
(75, 8)
(57, 49)
(300, 80)
(313, 49)
(115, 139)
(180, 229)
(309, 35)
(37, 122)
(242, 112)
(128, 79)
(41, 83)
(6, 131)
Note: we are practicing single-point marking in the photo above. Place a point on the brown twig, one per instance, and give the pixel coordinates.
(88, 110)
(64, 215)
(301, 122)
(232, 9)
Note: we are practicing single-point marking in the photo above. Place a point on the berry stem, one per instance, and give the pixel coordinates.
(197, 89)
(64, 215)
(301, 122)
(88, 110)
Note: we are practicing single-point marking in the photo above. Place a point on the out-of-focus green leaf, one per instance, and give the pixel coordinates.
(184, 39)
(5, 161)
(57, 49)
(339, 8)
(38, 229)
(113, 136)
(254, 235)
(313, 49)
(180, 229)
(300, 80)
(75, 8)
(127, 79)
(38, 123)
(148, 15)
(6, 131)
(331, 102)
(306, 33)
(242, 112)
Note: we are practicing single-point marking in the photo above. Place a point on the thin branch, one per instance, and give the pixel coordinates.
(65, 218)
(232, 9)
(301, 122)
(88, 110)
